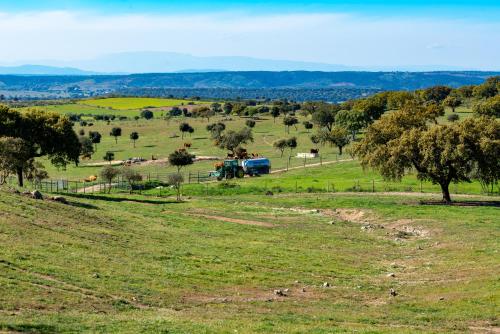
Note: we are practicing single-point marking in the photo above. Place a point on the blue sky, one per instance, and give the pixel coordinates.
(483, 10)
(462, 34)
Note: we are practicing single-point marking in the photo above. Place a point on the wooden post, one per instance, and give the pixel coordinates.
(305, 161)
(421, 186)
(295, 186)
(320, 160)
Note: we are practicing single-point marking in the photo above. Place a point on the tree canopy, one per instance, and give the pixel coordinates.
(43, 134)
(404, 141)
(180, 158)
(231, 139)
(134, 136)
(116, 132)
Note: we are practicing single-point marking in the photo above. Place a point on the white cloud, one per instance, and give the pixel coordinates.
(328, 37)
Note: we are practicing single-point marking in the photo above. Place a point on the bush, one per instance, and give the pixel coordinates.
(152, 184)
(228, 185)
(147, 114)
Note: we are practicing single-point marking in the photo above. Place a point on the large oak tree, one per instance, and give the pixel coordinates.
(406, 141)
(43, 134)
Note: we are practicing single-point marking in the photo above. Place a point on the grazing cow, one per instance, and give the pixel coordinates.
(187, 145)
(91, 178)
(314, 150)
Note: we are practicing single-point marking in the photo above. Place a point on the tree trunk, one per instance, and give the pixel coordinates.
(134, 143)
(446, 192)
(340, 150)
(116, 140)
(20, 177)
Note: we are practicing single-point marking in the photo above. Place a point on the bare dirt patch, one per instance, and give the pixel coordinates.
(350, 215)
(226, 219)
(256, 295)
(484, 328)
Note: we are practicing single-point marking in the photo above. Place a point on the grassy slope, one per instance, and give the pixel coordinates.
(115, 264)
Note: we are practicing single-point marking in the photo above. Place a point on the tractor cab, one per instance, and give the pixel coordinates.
(227, 170)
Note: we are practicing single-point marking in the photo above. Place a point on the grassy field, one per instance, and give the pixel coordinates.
(130, 264)
(159, 138)
(127, 103)
(230, 260)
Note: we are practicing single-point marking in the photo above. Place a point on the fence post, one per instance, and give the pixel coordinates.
(189, 178)
(305, 159)
(295, 186)
(373, 186)
(421, 186)
(198, 176)
(320, 160)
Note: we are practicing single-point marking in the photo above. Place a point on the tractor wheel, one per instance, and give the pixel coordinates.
(240, 173)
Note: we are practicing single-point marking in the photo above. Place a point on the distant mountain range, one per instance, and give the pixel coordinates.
(258, 81)
(169, 62)
(42, 70)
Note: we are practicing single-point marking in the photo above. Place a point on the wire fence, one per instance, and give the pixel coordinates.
(202, 184)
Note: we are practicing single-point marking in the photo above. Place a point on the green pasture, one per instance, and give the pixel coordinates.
(127, 103)
(133, 264)
(159, 137)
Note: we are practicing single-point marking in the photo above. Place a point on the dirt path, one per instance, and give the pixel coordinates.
(94, 189)
(309, 165)
(225, 219)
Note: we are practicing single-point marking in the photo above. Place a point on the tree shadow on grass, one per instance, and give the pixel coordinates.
(123, 199)
(83, 205)
(149, 145)
(30, 328)
(463, 203)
